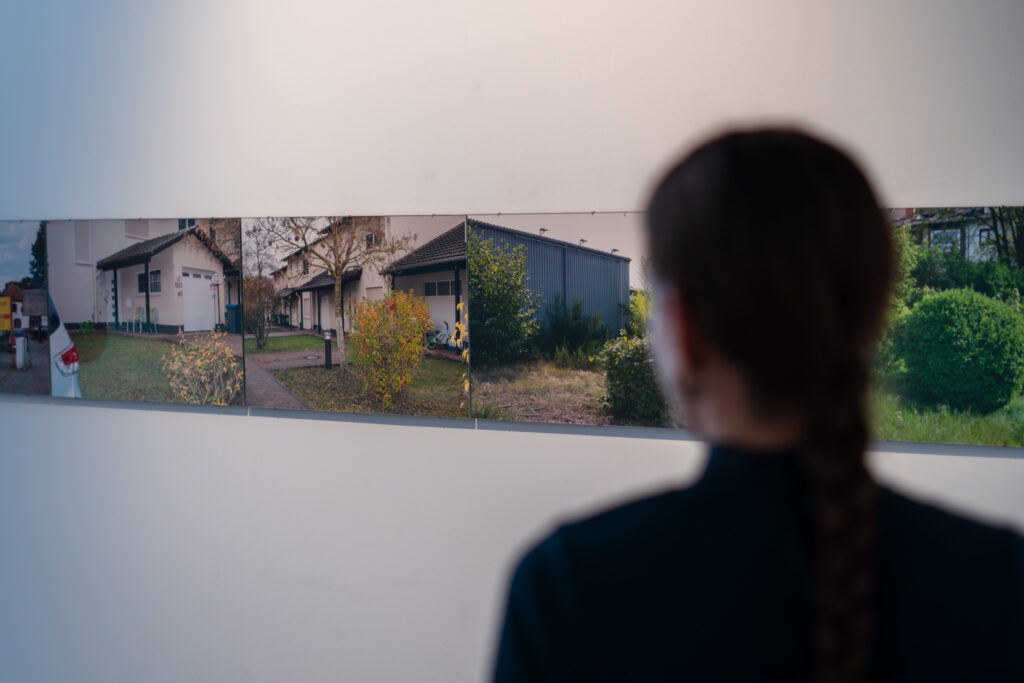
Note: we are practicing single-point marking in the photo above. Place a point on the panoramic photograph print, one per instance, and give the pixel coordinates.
(147, 310)
(558, 331)
(950, 366)
(25, 354)
(356, 314)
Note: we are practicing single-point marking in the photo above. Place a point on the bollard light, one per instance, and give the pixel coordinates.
(327, 349)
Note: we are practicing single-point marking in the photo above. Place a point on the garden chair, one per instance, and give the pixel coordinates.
(140, 318)
(153, 317)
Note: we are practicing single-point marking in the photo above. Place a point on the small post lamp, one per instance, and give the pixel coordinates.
(327, 349)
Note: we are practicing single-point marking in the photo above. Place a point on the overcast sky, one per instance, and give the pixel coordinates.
(16, 238)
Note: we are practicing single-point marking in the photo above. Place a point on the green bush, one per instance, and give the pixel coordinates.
(963, 349)
(631, 389)
(569, 337)
(935, 269)
(638, 312)
(504, 306)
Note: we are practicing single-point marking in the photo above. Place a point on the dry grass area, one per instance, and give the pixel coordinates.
(539, 391)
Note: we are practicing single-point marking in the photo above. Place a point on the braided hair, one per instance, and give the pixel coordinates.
(778, 249)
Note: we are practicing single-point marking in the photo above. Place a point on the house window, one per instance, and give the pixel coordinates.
(946, 239)
(985, 237)
(305, 267)
(440, 288)
(186, 223)
(154, 282)
(371, 239)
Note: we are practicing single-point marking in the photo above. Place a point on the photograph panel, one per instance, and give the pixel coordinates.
(148, 309)
(950, 364)
(24, 320)
(356, 314)
(559, 318)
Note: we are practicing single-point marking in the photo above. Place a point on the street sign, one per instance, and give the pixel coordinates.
(5, 314)
(217, 279)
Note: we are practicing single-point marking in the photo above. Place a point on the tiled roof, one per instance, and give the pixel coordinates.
(325, 279)
(448, 247)
(140, 251)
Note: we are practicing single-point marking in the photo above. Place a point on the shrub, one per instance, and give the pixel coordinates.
(257, 303)
(631, 389)
(569, 337)
(935, 269)
(203, 371)
(504, 306)
(963, 349)
(388, 345)
(638, 312)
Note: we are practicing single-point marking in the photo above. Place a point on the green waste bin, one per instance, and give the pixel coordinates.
(233, 318)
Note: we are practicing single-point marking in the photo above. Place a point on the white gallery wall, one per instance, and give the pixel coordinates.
(168, 545)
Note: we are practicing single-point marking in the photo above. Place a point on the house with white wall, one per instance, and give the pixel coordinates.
(154, 275)
(306, 289)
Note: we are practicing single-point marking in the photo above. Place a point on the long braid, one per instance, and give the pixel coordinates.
(781, 233)
(841, 494)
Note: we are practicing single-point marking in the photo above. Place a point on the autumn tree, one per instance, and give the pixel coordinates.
(337, 245)
(258, 291)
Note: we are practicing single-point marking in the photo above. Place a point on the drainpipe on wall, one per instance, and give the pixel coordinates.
(147, 292)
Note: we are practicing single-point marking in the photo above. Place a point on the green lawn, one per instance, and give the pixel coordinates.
(299, 342)
(896, 419)
(121, 368)
(436, 389)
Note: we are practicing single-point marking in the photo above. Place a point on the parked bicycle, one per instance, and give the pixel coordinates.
(443, 339)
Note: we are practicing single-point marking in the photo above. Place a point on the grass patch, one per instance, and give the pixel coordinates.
(298, 342)
(540, 391)
(897, 419)
(436, 389)
(121, 368)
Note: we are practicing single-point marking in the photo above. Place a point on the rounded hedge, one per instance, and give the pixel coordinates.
(963, 349)
(631, 389)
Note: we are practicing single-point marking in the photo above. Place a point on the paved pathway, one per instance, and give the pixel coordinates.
(263, 390)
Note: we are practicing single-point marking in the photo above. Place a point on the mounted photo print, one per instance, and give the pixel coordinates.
(24, 321)
(146, 310)
(559, 312)
(357, 314)
(951, 364)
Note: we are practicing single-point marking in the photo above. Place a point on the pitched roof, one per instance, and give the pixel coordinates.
(447, 247)
(450, 247)
(541, 238)
(140, 252)
(13, 291)
(325, 280)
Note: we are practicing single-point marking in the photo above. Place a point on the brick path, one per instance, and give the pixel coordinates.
(263, 390)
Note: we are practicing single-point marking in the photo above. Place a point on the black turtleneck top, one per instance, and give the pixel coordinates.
(712, 583)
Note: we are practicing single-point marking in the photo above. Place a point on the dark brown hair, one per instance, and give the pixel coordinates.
(780, 253)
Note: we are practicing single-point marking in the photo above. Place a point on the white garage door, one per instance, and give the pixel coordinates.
(199, 300)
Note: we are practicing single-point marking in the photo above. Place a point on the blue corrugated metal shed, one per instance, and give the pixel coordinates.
(561, 269)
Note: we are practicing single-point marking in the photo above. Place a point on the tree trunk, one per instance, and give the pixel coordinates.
(338, 307)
